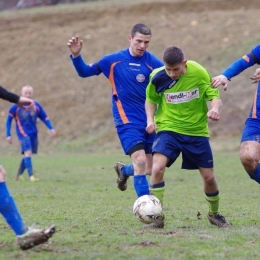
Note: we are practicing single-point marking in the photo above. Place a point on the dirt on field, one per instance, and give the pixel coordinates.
(34, 51)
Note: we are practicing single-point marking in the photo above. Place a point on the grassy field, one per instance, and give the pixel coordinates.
(78, 193)
(77, 190)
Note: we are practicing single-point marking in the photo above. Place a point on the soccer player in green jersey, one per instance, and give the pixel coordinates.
(178, 93)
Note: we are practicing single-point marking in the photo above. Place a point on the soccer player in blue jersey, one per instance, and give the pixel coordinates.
(179, 92)
(26, 237)
(27, 132)
(128, 71)
(250, 141)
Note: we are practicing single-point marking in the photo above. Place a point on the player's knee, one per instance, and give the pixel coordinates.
(210, 180)
(2, 174)
(139, 164)
(248, 162)
(158, 171)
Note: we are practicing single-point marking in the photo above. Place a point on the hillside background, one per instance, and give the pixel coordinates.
(34, 51)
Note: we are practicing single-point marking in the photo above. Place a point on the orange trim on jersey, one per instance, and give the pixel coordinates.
(118, 102)
(151, 68)
(111, 77)
(246, 58)
(121, 112)
(254, 106)
(19, 123)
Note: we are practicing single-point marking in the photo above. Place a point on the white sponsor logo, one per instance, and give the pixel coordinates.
(140, 77)
(134, 64)
(181, 97)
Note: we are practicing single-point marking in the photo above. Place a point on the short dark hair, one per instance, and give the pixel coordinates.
(141, 28)
(173, 55)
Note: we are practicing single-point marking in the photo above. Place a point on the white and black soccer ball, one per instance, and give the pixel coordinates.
(147, 209)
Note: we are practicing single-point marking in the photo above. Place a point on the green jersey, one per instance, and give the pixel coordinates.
(182, 104)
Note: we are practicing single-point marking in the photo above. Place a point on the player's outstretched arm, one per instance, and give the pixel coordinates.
(219, 80)
(75, 46)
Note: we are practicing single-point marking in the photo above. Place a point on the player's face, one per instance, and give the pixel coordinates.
(27, 92)
(138, 44)
(177, 70)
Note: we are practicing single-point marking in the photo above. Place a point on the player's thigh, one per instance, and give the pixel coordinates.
(26, 146)
(167, 144)
(197, 153)
(34, 143)
(250, 141)
(131, 137)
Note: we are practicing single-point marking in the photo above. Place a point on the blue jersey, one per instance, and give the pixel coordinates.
(128, 76)
(241, 64)
(26, 121)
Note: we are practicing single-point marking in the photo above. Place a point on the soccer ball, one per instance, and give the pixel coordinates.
(147, 209)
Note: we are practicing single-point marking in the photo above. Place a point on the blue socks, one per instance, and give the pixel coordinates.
(128, 170)
(140, 182)
(141, 185)
(10, 212)
(21, 167)
(28, 165)
(256, 174)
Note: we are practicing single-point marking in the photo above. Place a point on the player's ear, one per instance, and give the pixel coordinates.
(129, 38)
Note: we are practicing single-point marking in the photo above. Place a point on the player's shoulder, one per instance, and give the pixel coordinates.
(152, 56)
(256, 50)
(197, 69)
(159, 72)
(37, 103)
(159, 75)
(13, 107)
(193, 65)
(116, 55)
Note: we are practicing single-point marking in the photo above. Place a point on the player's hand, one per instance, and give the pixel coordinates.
(256, 77)
(52, 132)
(75, 46)
(9, 139)
(219, 80)
(151, 127)
(213, 114)
(26, 103)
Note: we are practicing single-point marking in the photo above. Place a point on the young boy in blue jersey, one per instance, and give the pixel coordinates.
(26, 237)
(250, 139)
(128, 71)
(27, 132)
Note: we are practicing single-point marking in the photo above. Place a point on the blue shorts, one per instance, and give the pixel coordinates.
(29, 143)
(196, 150)
(251, 131)
(131, 135)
